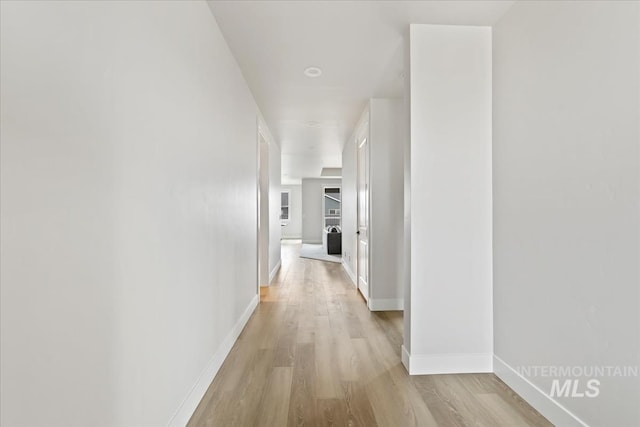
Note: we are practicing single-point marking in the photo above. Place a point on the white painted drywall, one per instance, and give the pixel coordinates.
(451, 291)
(566, 192)
(406, 244)
(128, 208)
(386, 221)
(381, 122)
(312, 215)
(350, 196)
(264, 227)
(293, 228)
(274, 207)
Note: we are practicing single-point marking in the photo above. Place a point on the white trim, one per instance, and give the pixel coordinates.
(386, 304)
(364, 291)
(551, 409)
(349, 272)
(192, 400)
(275, 270)
(405, 357)
(312, 242)
(454, 363)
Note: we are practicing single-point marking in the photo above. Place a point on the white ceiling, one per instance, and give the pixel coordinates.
(358, 46)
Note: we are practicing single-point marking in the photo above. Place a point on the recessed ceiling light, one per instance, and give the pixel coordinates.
(312, 72)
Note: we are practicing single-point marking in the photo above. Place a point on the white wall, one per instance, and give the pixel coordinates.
(386, 226)
(128, 185)
(566, 193)
(264, 227)
(274, 208)
(451, 311)
(312, 215)
(293, 229)
(381, 123)
(406, 243)
(350, 197)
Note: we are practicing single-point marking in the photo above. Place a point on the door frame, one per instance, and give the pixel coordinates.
(324, 187)
(363, 136)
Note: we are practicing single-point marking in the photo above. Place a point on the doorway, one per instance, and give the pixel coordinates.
(331, 207)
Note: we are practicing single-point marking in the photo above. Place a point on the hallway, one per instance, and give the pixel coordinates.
(313, 354)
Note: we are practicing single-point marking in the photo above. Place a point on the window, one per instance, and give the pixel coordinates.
(284, 206)
(332, 204)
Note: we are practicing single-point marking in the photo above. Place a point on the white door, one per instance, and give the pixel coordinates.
(363, 218)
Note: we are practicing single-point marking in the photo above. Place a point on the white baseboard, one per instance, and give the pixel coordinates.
(350, 273)
(190, 403)
(405, 358)
(386, 304)
(312, 242)
(536, 397)
(433, 364)
(275, 270)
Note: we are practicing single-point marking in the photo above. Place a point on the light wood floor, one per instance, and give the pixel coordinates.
(312, 354)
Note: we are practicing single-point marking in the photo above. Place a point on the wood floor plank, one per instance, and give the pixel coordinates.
(388, 403)
(464, 402)
(327, 376)
(415, 407)
(306, 325)
(332, 412)
(302, 404)
(388, 406)
(500, 410)
(359, 410)
(245, 399)
(220, 413)
(351, 320)
(532, 416)
(286, 345)
(344, 358)
(442, 412)
(274, 408)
